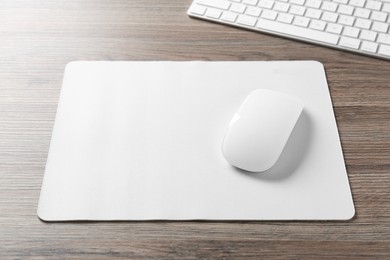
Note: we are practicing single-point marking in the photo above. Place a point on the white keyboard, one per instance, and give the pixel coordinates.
(360, 26)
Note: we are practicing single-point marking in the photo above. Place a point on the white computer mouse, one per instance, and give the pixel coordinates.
(259, 130)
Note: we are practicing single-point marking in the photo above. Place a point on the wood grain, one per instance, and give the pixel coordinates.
(37, 39)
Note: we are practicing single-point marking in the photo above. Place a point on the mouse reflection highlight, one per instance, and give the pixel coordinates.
(294, 153)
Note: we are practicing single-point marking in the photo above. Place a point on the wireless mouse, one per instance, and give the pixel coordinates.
(259, 130)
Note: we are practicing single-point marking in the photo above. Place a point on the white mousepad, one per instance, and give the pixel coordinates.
(142, 141)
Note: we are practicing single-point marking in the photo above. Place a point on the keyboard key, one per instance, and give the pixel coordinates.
(351, 32)
(368, 35)
(374, 5)
(282, 7)
(380, 27)
(383, 38)
(334, 28)
(269, 14)
(386, 8)
(297, 2)
(329, 17)
(213, 13)
(313, 13)
(349, 42)
(197, 9)
(346, 9)
(317, 25)
(298, 10)
(341, 1)
(329, 6)
(238, 8)
(301, 21)
(378, 16)
(369, 47)
(313, 3)
(363, 23)
(250, 2)
(253, 11)
(285, 18)
(266, 4)
(358, 3)
(384, 49)
(229, 17)
(362, 13)
(246, 20)
(346, 20)
(300, 32)
(221, 4)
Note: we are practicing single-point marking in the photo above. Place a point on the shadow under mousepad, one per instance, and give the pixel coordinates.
(142, 141)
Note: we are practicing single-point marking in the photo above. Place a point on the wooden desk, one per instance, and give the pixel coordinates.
(37, 39)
